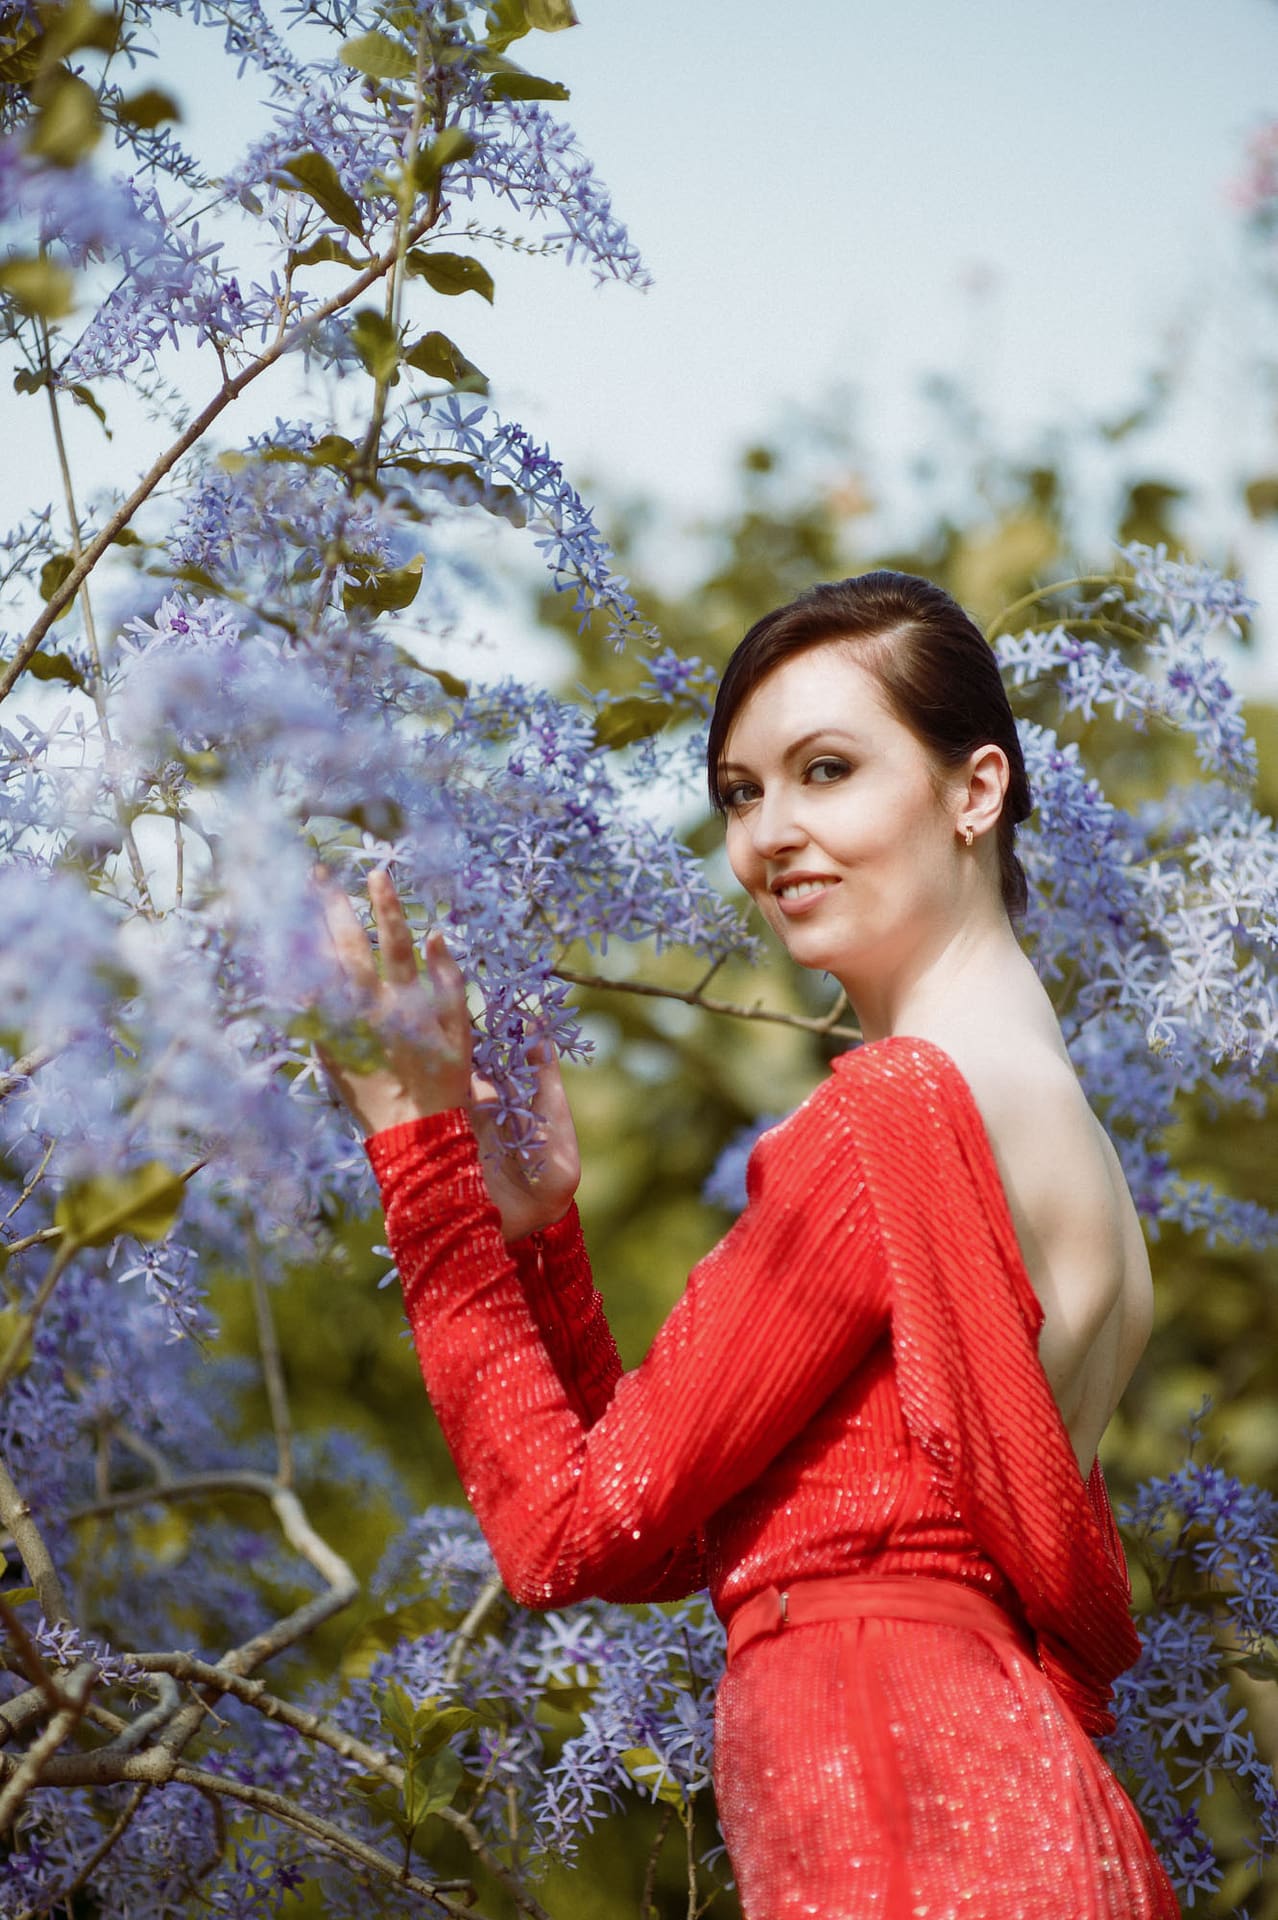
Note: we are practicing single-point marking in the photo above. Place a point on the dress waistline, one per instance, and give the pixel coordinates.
(872, 1596)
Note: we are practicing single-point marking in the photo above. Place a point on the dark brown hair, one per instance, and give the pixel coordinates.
(936, 669)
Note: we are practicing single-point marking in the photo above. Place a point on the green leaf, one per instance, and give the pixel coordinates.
(77, 25)
(512, 84)
(68, 124)
(386, 1630)
(312, 173)
(457, 689)
(395, 1709)
(1261, 1666)
(550, 16)
(150, 108)
(387, 590)
(13, 1326)
(38, 287)
(332, 450)
(567, 1699)
(85, 397)
(376, 342)
(507, 20)
(433, 1725)
(1261, 495)
(18, 1596)
(642, 1764)
(428, 165)
(21, 43)
(436, 1791)
(31, 381)
(436, 354)
(143, 1202)
(55, 666)
(380, 57)
(636, 716)
(450, 272)
(325, 248)
(54, 572)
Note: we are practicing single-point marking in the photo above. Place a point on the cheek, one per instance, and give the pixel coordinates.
(740, 852)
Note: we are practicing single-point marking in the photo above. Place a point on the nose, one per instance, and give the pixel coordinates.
(774, 824)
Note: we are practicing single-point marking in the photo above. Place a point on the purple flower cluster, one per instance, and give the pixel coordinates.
(1209, 1544)
(1156, 929)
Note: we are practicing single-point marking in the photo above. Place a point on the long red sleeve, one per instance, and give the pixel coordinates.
(554, 1273)
(773, 1320)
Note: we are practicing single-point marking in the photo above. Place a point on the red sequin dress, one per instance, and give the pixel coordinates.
(848, 1391)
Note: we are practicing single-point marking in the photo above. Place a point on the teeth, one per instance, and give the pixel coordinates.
(798, 889)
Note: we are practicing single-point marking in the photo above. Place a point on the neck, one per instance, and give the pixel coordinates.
(966, 964)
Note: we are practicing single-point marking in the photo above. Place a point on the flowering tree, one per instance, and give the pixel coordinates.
(221, 671)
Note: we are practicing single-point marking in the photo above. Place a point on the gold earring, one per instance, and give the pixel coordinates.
(967, 836)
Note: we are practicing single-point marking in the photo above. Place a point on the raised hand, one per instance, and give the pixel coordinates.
(422, 1020)
(424, 1027)
(533, 1195)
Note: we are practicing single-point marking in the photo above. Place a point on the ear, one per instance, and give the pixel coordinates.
(983, 790)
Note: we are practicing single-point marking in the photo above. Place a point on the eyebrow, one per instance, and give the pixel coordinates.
(796, 746)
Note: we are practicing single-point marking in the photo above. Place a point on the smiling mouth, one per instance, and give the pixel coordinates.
(796, 889)
(791, 894)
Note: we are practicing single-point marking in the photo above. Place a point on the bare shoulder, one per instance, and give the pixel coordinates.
(1075, 1221)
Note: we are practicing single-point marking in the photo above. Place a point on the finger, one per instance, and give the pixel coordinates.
(482, 1092)
(394, 935)
(446, 976)
(350, 942)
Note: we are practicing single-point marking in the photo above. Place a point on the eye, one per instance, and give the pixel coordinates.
(824, 772)
(735, 794)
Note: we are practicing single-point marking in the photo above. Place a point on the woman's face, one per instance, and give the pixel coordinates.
(835, 826)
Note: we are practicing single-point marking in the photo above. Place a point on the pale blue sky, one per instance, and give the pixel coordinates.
(812, 186)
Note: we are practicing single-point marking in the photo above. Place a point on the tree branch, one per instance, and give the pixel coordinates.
(27, 1538)
(489, 1594)
(13, 1077)
(272, 1370)
(693, 997)
(198, 427)
(29, 1771)
(157, 1768)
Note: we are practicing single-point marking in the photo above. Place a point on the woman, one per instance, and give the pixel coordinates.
(871, 1423)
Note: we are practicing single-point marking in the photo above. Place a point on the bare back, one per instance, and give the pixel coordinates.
(1076, 1223)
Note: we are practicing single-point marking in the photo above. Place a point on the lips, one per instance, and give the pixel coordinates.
(797, 893)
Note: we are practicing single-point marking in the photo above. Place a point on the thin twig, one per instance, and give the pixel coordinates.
(31, 1185)
(647, 1903)
(27, 1773)
(692, 997)
(27, 1538)
(95, 1859)
(688, 1815)
(15, 1076)
(272, 1370)
(254, 1693)
(489, 1594)
(25, 1331)
(97, 691)
(1046, 593)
